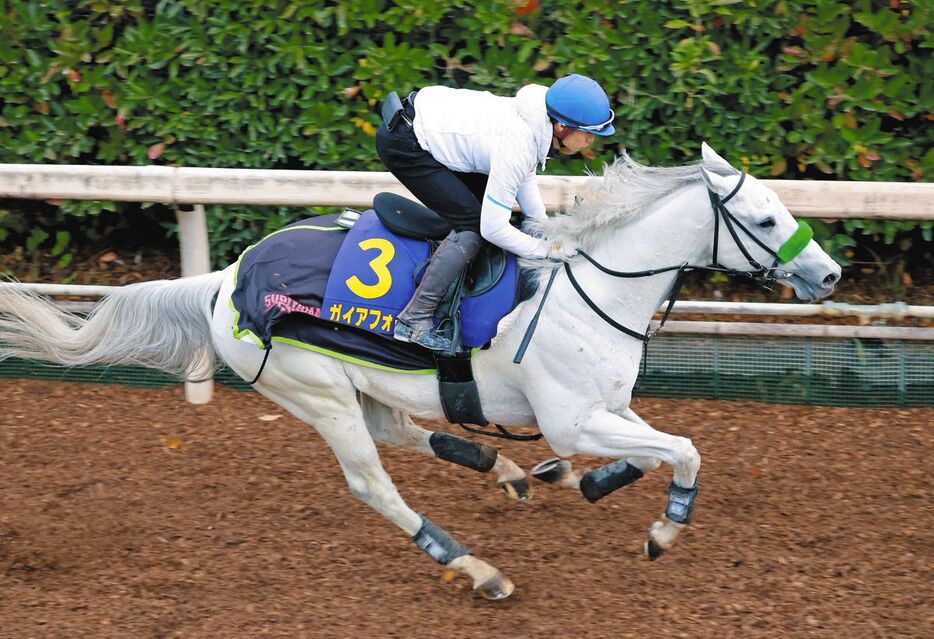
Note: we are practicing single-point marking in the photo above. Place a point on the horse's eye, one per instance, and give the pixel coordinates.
(768, 222)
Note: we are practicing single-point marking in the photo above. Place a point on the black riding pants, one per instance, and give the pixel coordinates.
(454, 196)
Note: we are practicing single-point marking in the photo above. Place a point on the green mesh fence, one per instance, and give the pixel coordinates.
(832, 372)
(789, 370)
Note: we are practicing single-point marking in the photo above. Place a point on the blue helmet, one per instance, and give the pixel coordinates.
(579, 102)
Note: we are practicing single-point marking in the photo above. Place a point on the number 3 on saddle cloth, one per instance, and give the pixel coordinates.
(337, 291)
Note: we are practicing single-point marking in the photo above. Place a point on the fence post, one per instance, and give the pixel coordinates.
(196, 260)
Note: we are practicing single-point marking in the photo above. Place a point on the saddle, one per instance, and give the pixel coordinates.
(459, 396)
(410, 219)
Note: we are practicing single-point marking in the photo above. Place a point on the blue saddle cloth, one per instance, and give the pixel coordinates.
(319, 286)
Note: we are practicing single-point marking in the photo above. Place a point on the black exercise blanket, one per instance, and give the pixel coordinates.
(280, 287)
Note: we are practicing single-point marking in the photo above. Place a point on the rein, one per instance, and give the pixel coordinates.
(785, 253)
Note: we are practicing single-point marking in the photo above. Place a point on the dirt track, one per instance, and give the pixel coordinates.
(129, 513)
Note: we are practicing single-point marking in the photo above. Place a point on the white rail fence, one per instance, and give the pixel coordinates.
(867, 200)
(190, 188)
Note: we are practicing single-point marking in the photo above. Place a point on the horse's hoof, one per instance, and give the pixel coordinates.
(551, 471)
(652, 550)
(497, 588)
(518, 489)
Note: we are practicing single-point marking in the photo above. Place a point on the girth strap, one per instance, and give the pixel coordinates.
(459, 396)
(460, 399)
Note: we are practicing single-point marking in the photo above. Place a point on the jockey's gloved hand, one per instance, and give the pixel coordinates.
(563, 249)
(531, 227)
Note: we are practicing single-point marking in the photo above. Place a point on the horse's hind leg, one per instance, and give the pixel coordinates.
(336, 415)
(396, 428)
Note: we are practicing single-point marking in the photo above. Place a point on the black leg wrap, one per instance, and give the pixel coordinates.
(599, 483)
(463, 451)
(439, 545)
(681, 503)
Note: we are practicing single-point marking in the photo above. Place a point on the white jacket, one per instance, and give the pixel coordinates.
(505, 138)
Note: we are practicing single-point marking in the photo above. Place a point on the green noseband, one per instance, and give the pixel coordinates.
(796, 243)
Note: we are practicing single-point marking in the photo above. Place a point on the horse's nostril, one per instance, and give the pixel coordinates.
(831, 279)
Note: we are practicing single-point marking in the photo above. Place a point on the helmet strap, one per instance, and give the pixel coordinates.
(565, 132)
(560, 136)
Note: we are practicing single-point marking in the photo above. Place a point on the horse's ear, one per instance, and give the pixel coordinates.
(719, 184)
(715, 163)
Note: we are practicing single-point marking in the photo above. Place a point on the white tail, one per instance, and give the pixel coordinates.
(163, 324)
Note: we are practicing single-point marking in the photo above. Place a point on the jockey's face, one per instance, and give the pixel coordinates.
(573, 140)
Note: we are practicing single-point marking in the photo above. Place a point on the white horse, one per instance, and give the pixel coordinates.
(574, 383)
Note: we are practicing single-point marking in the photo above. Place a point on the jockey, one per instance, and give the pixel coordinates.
(469, 155)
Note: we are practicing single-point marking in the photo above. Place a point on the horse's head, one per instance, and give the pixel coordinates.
(756, 232)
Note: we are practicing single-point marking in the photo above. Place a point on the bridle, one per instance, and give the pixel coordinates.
(785, 253)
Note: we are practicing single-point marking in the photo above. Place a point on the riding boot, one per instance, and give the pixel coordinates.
(416, 321)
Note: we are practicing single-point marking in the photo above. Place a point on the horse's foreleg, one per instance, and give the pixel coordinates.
(607, 435)
(600, 482)
(339, 420)
(396, 428)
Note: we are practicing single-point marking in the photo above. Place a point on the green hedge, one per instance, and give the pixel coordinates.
(791, 89)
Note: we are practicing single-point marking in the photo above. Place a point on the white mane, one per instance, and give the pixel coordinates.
(625, 190)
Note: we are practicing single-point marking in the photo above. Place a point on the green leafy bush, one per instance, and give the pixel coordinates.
(789, 88)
